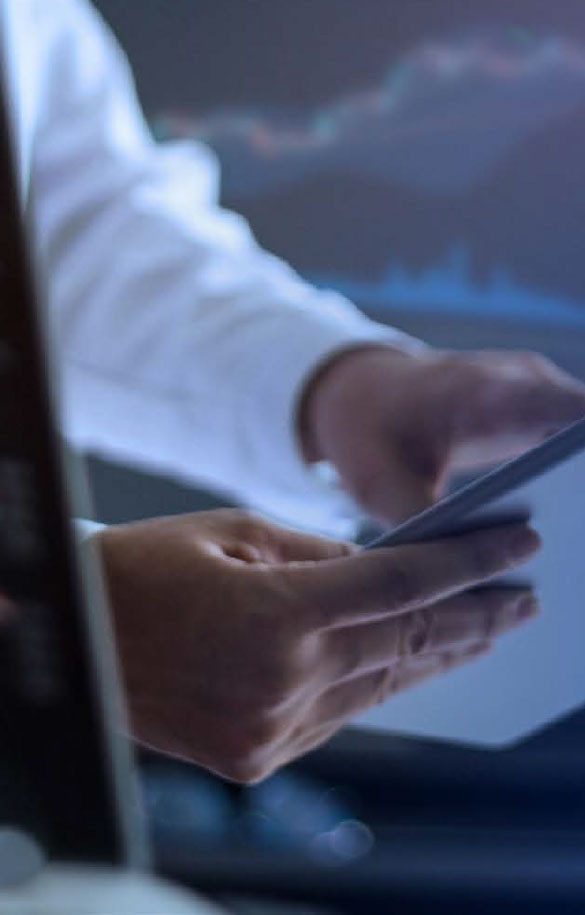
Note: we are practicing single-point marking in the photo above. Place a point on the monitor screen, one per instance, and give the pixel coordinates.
(422, 158)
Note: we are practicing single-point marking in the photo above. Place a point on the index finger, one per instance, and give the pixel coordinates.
(385, 582)
(533, 396)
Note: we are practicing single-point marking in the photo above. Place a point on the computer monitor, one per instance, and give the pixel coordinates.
(424, 159)
(65, 777)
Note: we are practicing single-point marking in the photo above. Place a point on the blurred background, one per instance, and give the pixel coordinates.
(424, 159)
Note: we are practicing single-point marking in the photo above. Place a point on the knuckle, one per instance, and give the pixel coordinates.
(246, 525)
(386, 685)
(488, 607)
(489, 627)
(348, 663)
(484, 556)
(415, 633)
(404, 590)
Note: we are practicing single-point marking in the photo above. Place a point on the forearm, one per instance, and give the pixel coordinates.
(184, 345)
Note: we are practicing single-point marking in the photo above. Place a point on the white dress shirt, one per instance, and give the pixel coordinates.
(183, 346)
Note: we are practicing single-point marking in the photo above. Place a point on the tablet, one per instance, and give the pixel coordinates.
(537, 673)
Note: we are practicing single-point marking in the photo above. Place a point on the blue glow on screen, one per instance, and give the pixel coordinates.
(452, 184)
(450, 287)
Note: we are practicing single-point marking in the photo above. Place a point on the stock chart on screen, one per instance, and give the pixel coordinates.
(428, 159)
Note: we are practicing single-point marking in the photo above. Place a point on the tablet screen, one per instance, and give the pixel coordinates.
(535, 674)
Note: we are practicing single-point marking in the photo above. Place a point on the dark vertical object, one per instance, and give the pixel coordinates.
(59, 780)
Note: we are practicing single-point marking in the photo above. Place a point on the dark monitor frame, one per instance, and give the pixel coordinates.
(64, 774)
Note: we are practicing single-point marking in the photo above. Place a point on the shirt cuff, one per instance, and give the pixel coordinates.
(85, 529)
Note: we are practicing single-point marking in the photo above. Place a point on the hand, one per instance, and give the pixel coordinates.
(243, 645)
(397, 425)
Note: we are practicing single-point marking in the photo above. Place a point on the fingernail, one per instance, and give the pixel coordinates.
(527, 607)
(523, 542)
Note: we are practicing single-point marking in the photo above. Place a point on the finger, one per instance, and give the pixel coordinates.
(344, 701)
(378, 583)
(371, 689)
(527, 398)
(518, 364)
(453, 624)
(542, 408)
(390, 475)
(254, 540)
(297, 547)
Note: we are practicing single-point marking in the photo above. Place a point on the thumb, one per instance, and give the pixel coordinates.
(295, 546)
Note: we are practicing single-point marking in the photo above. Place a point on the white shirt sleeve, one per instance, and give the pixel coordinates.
(184, 345)
(84, 528)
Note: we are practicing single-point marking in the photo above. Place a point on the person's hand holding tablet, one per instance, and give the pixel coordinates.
(244, 645)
